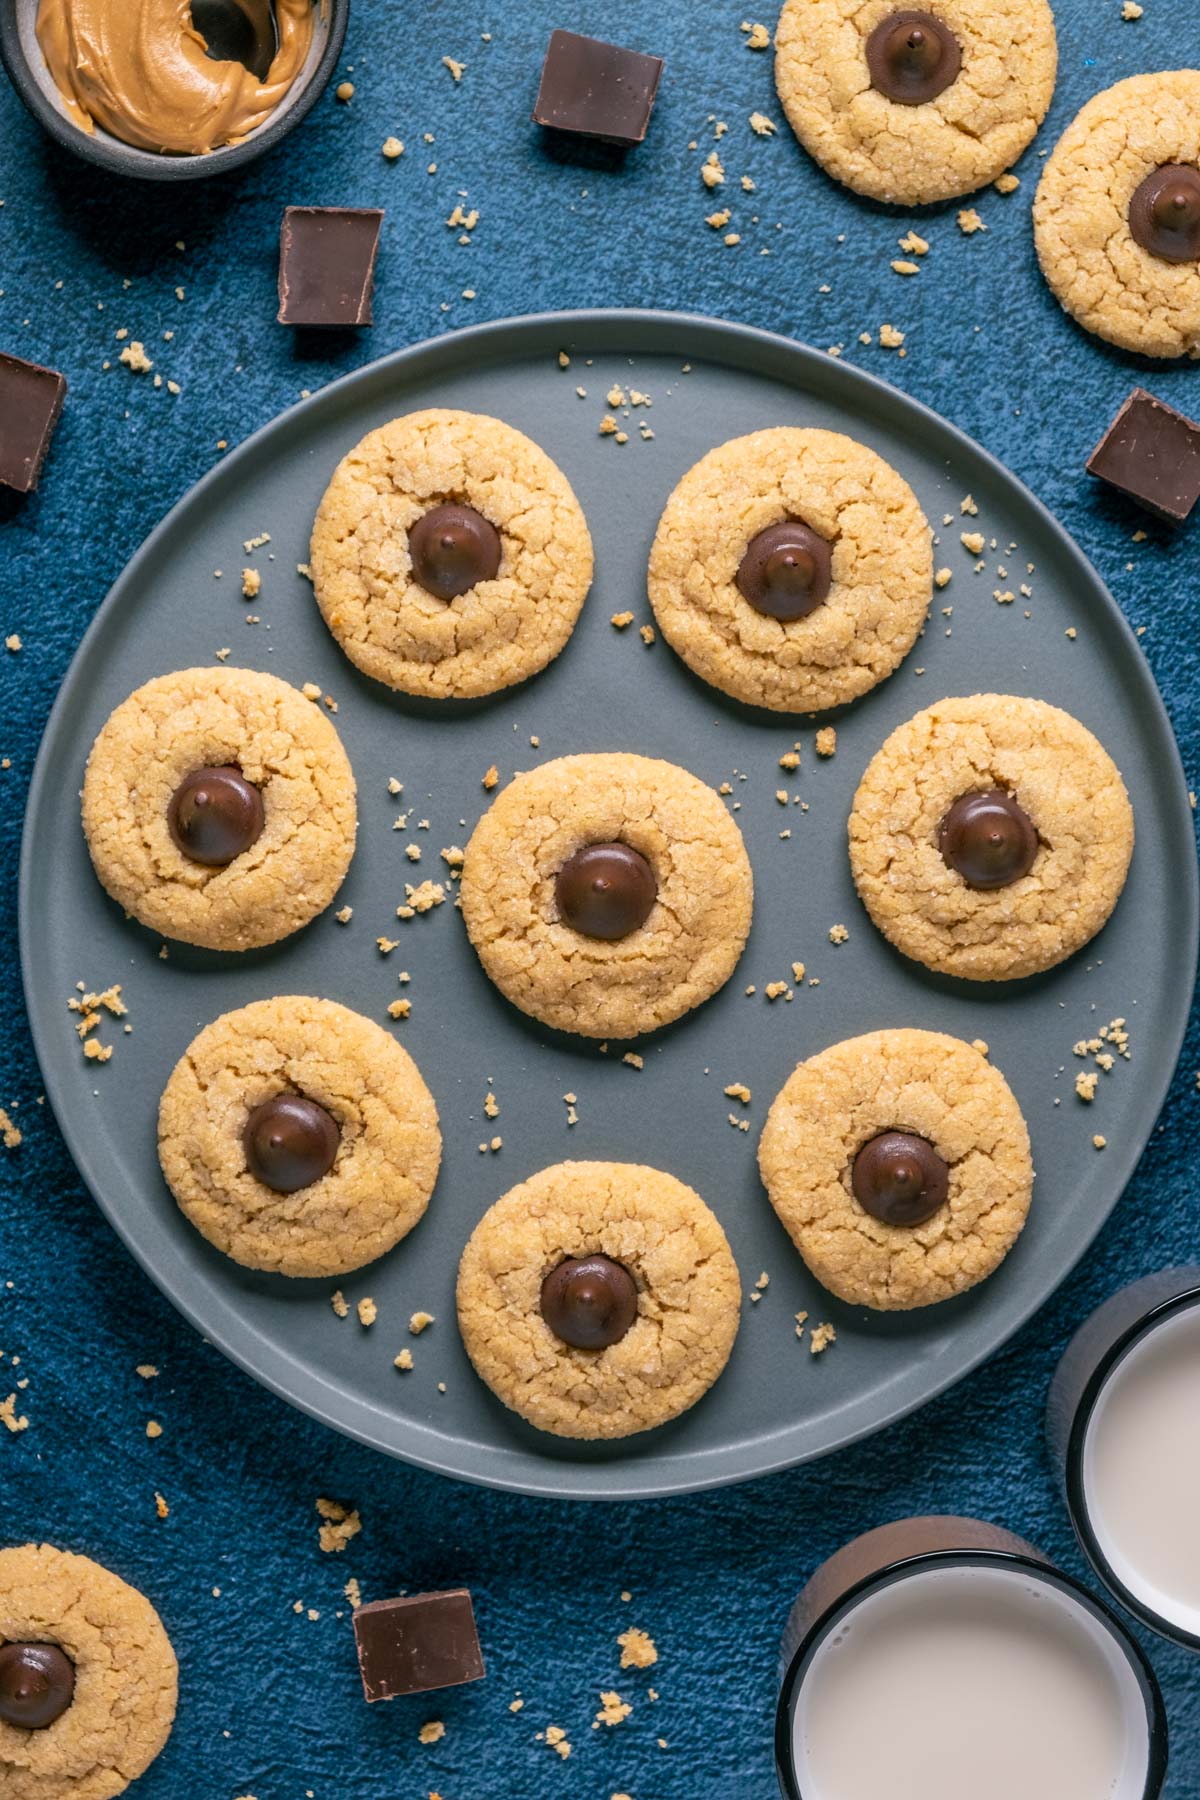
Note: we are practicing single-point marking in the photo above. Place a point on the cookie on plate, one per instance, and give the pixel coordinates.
(299, 1137)
(598, 1299)
(792, 569)
(88, 1678)
(911, 105)
(990, 837)
(219, 808)
(899, 1164)
(1117, 215)
(450, 557)
(607, 895)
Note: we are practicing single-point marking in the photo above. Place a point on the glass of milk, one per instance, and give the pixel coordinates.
(945, 1659)
(1124, 1429)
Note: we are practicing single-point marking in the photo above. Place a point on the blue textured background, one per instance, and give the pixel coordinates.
(270, 1702)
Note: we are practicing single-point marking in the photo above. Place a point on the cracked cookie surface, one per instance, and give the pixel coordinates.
(387, 1159)
(689, 1296)
(688, 946)
(937, 1088)
(911, 155)
(1067, 784)
(502, 630)
(882, 569)
(284, 746)
(126, 1679)
(1098, 271)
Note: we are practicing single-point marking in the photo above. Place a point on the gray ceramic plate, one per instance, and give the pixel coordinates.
(775, 1405)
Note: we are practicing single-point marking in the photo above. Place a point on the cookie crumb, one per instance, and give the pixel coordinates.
(1007, 184)
(621, 620)
(638, 1649)
(826, 741)
(10, 1418)
(340, 1304)
(1085, 1084)
(737, 1090)
(420, 1322)
(368, 1312)
(10, 1135)
(392, 148)
(1099, 1142)
(820, 1339)
(491, 778)
(634, 1060)
(969, 222)
(838, 934)
(613, 1710)
(341, 1524)
(433, 1731)
(403, 1362)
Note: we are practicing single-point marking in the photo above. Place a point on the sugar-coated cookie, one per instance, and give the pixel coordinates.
(219, 808)
(991, 837)
(607, 895)
(911, 105)
(299, 1137)
(792, 569)
(88, 1678)
(1117, 215)
(450, 557)
(899, 1163)
(599, 1299)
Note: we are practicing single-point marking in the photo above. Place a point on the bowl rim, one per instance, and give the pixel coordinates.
(119, 158)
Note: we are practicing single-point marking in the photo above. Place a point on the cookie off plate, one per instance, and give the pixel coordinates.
(700, 383)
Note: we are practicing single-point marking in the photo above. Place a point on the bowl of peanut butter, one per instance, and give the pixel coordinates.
(155, 88)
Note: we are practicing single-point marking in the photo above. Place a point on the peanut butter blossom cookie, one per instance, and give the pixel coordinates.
(88, 1679)
(990, 837)
(299, 1137)
(792, 569)
(915, 104)
(599, 1299)
(1117, 215)
(899, 1163)
(450, 557)
(219, 808)
(607, 895)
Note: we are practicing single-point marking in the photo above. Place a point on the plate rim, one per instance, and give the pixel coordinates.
(615, 1480)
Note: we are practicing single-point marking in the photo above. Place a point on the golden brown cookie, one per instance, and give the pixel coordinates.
(650, 1316)
(1132, 281)
(337, 1168)
(830, 1138)
(522, 543)
(649, 846)
(914, 119)
(263, 747)
(1061, 837)
(720, 584)
(118, 1681)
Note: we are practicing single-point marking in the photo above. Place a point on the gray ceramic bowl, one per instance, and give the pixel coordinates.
(27, 69)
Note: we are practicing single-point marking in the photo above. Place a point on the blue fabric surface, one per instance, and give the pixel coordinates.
(270, 1699)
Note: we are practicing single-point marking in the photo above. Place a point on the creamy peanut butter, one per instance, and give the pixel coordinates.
(138, 69)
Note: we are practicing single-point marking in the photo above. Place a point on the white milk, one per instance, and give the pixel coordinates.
(970, 1684)
(1141, 1470)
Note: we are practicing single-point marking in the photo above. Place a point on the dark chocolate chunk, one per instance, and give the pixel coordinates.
(786, 571)
(37, 1685)
(899, 1178)
(290, 1142)
(1152, 453)
(417, 1643)
(453, 549)
(913, 57)
(327, 264)
(606, 891)
(597, 90)
(215, 815)
(988, 839)
(589, 1302)
(31, 398)
(1164, 214)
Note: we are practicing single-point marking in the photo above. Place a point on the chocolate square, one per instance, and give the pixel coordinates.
(417, 1643)
(1152, 453)
(31, 399)
(327, 264)
(597, 90)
